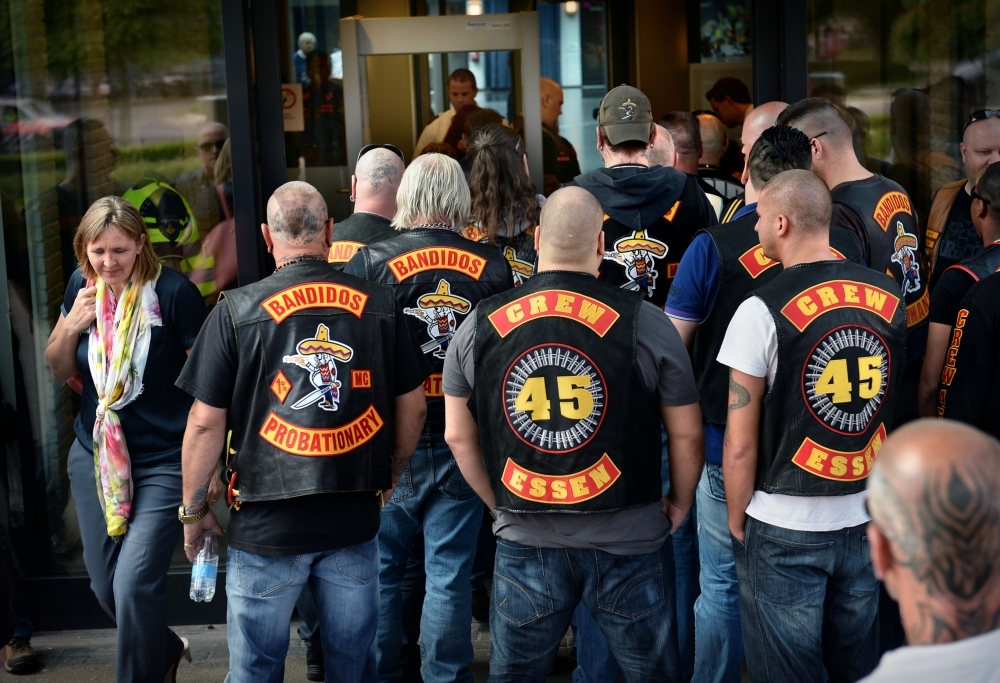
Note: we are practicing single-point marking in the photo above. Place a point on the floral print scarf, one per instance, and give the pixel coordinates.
(119, 345)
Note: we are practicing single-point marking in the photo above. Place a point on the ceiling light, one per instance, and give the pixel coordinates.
(474, 7)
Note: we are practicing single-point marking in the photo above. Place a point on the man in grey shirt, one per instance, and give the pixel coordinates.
(569, 380)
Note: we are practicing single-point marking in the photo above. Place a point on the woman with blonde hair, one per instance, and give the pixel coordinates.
(125, 328)
(505, 205)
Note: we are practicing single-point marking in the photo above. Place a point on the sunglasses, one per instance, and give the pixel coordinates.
(976, 195)
(392, 148)
(980, 115)
(209, 146)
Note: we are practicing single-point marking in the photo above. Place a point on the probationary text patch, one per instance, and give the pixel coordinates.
(343, 251)
(314, 295)
(845, 377)
(811, 303)
(888, 206)
(839, 465)
(307, 441)
(919, 309)
(755, 263)
(437, 258)
(554, 302)
(565, 489)
(554, 398)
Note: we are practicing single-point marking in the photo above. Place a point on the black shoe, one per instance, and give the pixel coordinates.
(481, 606)
(21, 657)
(314, 665)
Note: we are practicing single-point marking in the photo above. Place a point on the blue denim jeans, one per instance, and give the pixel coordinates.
(718, 655)
(262, 590)
(433, 496)
(129, 578)
(809, 601)
(536, 590)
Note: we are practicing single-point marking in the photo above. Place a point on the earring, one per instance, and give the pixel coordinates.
(352, 197)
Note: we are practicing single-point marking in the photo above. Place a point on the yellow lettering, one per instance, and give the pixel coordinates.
(838, 465)
(806, 305)
(600, 476)
(559, 489)
(816, 459)
(579, 485)
(517, 480)
(591, 311)
(858, 465)
(538, 305)
(562, 303)
(851, 294)
(537, 487)
(874, 299)
(515, 313)
(827, 296)
(758, 254)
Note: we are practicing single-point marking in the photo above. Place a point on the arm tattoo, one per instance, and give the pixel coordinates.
(741, 397)
(200, 497)
(380, 170)
(399, 462)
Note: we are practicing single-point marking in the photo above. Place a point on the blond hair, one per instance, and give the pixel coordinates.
(433, 186)
(102, 214)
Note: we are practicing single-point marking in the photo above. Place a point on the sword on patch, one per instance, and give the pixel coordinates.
(431, 345)
(309, 399)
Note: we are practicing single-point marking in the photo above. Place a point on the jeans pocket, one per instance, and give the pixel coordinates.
(404, 489)
(454, 485)
(359, 562)
(520, 592)
(716, 487)
(261, 575)
(630, 586)
(863, 582)
(788, 572)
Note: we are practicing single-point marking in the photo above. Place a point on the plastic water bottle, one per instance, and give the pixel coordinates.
(205, 569)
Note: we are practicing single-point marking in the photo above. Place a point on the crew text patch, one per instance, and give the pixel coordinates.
(811, 303)
(554, 302)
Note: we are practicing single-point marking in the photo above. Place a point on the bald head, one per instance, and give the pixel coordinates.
(378, 173)
(552, 101)
(713, 139)
(662, 152)
(934, 492)
(296, 214)
(757, 121)
(803, 198)
(571, 221)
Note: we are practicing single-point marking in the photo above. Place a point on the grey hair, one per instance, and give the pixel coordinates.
(304, 36)
(434, 187)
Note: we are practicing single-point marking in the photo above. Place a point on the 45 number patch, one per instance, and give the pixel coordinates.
(554, 398)
(845, 378)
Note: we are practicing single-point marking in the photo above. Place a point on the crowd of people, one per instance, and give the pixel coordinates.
(681, 404)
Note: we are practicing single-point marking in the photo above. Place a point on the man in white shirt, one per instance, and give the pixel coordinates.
(815, 358)
(462, 92)
(934, 497)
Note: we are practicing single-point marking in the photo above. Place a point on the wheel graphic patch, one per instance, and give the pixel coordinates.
(554, 398)
(845, 378)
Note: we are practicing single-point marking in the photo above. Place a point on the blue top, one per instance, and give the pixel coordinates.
(154, 422)
(744, 210)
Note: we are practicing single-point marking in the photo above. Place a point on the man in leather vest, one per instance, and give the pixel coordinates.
(373, 191)
(815, 358)
(317, 377)
(438, 277)
(569, 381)
(559, 162)
(722, 266)
(651, 212)
(880, 214)
(950, 234)
(956, 281)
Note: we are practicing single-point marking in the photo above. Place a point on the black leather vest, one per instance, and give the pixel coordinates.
(983, 264)
(742, 268)
(841, 346)
(565, 421)
(894, 246)
(315, 383)
(438, 277)
(519, 251)
(646, 261)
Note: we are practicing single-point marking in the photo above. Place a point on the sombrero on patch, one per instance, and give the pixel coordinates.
(443, 297)
(519, 267)
(322, 344)
(638, 242)
(904, 239)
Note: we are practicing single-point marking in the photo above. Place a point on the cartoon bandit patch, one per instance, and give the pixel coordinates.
(318, 356)
(521, 270)
(636, 254)
(438, 310)
(906, 257)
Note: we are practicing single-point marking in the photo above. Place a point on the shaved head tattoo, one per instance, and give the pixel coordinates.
(380, 170)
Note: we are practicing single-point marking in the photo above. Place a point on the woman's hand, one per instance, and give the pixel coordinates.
(84, 311)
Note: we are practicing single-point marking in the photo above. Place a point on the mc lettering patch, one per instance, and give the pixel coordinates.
(565, 489)
(554, 302)
(342, 252)
(307, 441)
(755, 263)
(839, 465)
(314, 295)
(437, 258)
(888, 206)
(811, 303)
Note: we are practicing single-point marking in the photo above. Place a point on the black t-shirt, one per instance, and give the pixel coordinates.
(306, 524)
(154, 422)
(958, 240)
(364, 227)
(846, 217)
(948, 295)
(970, 387)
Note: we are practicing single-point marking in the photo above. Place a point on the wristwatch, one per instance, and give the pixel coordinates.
(191, 519)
